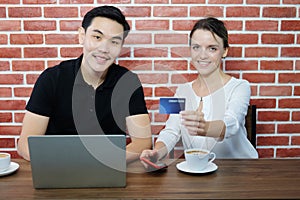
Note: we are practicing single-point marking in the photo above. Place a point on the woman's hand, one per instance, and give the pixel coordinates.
(196, 125)
(194, 122)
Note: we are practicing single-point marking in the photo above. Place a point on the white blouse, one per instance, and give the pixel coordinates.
(230, 104)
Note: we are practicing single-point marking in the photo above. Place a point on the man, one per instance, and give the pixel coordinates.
(90, 94)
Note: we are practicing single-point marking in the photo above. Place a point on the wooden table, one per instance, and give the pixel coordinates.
(242, 179)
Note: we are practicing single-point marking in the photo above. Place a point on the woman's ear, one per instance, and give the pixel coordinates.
(225, 53)
(81, 34)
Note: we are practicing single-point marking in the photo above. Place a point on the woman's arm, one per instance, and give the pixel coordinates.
(235, 109)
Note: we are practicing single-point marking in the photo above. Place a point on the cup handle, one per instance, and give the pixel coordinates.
(212, 157)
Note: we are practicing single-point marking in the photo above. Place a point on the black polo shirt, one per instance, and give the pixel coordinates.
(74, 107)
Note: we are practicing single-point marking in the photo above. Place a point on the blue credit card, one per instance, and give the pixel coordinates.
(171, 105)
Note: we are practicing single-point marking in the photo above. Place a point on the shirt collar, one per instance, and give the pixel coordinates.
(110, 79)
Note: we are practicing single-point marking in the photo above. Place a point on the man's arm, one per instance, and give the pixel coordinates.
(139, 129)
(33, 124)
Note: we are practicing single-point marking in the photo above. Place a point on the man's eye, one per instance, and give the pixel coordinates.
(97, 37)
(115, 42)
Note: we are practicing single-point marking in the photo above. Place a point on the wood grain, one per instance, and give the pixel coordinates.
(242, 179)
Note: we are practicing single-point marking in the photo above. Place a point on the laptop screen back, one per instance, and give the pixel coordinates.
(78, 161)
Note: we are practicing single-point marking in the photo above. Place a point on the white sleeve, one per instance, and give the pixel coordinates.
(237, 107)
(171, 134)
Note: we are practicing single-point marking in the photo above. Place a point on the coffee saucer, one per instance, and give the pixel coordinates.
(211, 167)
(12, 168)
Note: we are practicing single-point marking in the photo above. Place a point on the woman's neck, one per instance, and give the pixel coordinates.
(204, 86)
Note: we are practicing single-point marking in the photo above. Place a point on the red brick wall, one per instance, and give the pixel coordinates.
(265, 50)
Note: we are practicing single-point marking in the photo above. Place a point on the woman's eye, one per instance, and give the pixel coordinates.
(213, 49)
(195, 47)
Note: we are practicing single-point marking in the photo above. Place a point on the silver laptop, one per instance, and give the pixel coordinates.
(78, 161)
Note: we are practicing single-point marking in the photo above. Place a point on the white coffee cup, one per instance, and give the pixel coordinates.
(4, 161)
(197, 159)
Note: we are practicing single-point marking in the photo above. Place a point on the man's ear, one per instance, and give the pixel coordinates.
(81, 34)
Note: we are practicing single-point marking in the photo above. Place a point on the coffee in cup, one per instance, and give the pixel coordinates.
(198, 159)
(4, 161)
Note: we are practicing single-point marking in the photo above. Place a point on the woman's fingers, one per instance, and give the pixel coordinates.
(195, 129)
(192, 115)
(194, 122)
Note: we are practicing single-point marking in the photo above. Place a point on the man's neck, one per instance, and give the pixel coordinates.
(95, 79)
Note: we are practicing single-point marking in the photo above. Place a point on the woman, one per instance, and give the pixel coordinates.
(216, 103)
